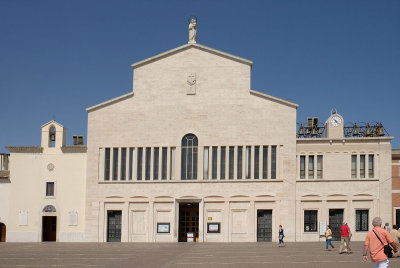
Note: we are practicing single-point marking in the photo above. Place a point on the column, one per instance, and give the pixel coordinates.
(201, 221)
(306, 167)
(101, 170)
(252, 163)
(218, 162)
(200, 164)
(269, 161)
(235, 159)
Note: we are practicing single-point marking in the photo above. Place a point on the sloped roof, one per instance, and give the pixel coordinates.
(181, 48)
(274, 99)
(52, 122)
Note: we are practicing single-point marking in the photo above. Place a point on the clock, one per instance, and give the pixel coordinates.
(336, 120)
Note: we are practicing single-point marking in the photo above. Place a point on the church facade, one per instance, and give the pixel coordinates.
(194, 154)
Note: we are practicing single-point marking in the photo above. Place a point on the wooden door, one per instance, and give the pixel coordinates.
(188, 220)
(49, 228)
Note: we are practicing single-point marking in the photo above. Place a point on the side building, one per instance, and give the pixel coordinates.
(396, 186)
(343, 175)
(47, 189)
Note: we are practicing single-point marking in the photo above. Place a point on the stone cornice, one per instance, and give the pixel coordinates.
(74, 149)
(109, 102)
(24, 149)
(342, 140)
(195, 45)
(274, 99)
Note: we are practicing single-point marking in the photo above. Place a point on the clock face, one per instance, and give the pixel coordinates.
(336, 120)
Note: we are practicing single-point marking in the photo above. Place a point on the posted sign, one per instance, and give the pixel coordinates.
(322, 228)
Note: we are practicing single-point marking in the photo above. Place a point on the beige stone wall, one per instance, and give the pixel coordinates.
(223, 112)
(337, 189)
(29, 173)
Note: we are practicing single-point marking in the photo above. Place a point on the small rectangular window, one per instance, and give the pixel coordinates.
(310, 220)
(223, 162)
(115, 164)
(239, 162)
(205, 163)
(362, 220)
(155, 163)
(147, 164)
(248, 162)
(354, 166)
(273, 162)
(49, 188)
(107, 164)
(302, 166)
(265, 162)
(214, 162)
(362, 166)
(164, 163)
(139, 164)
(231, 162)
(131, 162)
(371, 166)
(311, 167)
(319, 166)
(123, 164)
(256, 162)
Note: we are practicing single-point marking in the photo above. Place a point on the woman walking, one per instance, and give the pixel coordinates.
(281, 236)
(328, 235)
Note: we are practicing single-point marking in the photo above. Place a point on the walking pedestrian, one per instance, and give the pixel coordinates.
(281, 236)
(345, 237)
(376, 239)
(396, 236)
(328, 236)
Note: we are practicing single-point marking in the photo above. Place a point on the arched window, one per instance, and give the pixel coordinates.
(52, 136)
(189, 157)
(49, 208)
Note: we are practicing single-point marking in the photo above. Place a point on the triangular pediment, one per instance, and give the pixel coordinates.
(188, 46)
(52, 122)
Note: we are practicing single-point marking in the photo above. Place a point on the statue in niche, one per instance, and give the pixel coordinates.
(192, 30)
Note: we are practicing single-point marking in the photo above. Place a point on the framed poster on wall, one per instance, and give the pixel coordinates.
(163, 227)
(213, 227)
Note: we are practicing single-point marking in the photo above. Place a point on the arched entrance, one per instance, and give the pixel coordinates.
(2, 232)
(49, 224)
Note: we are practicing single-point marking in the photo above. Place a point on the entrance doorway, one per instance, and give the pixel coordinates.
(398, 218)
(114, 225)
(335, 222)
(49, 228)
(264, 225)
(188, 221)
(2, 232)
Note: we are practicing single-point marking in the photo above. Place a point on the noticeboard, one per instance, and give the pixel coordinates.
(322, 228)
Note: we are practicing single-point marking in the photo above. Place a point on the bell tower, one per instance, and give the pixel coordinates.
(53, 135)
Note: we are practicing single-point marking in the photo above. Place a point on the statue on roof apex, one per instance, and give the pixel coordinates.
(192, 29)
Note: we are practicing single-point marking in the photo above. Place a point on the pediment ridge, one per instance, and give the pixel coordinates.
(187, 46)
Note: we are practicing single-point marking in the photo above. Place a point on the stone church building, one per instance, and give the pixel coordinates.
(194, 154)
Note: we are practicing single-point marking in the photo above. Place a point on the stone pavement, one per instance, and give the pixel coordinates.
(179, 255)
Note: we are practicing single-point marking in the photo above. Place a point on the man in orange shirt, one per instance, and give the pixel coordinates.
(378, 256)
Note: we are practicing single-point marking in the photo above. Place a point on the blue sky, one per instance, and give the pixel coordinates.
(59, 57)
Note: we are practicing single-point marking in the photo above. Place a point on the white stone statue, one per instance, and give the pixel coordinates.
(192, 31)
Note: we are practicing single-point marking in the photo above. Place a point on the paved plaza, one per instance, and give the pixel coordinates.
(179, 255)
